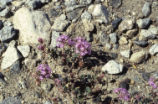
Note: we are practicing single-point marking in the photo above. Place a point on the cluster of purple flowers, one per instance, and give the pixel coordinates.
(81, 46)
(44, 71)
(41, 46)
(123, 94)
(151, 83)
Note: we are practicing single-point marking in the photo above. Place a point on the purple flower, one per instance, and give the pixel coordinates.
(82, 46)
(151, 83)
(44, 71)
(70, 42)
(123, 94)
(62, 40)
(41, 47)
(57, 82)
(40, 40)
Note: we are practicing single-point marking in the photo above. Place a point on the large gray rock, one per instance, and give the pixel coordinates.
(154, 49)
(7, 33)
(112, 67)
(11, 100)
(32, 25)
(9, 57)
(99, 12)
(146, 10)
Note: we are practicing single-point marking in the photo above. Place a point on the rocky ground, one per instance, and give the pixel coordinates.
(124, 41)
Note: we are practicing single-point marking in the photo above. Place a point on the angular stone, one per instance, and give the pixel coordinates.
(138, 57)
(146, 10)
(34, 4)
(154, 49)
(143, 23)
(5, 12)
(55, 36)
(126, 24)
(126, 53)
(131, 33)
(99, 12)
(151, 33)
(116, 23)
(141, 43)
(86, 15)
(32, 25)
(113, 38)
(7, 33)
(24, 50)
(9, 57)
(5, 2)
(15, 68)
(112, 67)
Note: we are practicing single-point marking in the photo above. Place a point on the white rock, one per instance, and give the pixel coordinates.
(112, 67)
(125, 53)
(99, 12)
(9, 57)
(31, 25)
(55, 35)
(24, 49)
(154, 49)
(138, 57)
